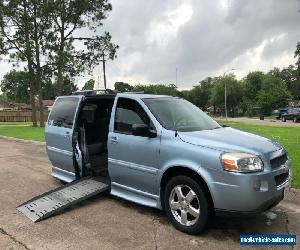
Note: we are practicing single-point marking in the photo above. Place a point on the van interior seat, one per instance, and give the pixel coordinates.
(96, 148)
(96, 130)
(95, 126)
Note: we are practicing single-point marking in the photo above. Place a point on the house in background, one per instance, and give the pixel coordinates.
(47, 104)
(20, 106)
(4, 106)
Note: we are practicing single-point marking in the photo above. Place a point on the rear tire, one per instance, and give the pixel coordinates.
(295, 120)
(187, 205)
(283, 119)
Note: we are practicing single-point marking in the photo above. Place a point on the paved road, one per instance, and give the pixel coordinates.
(104, 222)
(255, 121)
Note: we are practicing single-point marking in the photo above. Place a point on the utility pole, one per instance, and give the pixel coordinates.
(98, 82)
(176, 77)
(225, 92)
(104, 75)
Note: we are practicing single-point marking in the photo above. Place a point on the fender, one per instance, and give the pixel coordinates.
(203, 172)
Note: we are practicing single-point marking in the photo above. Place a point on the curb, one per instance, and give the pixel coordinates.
(22, 140)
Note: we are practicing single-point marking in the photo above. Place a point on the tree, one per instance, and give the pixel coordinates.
(252, 84)
(273, 94)
(233, 89)
(68, 87)
(199, 94)
(23, 26)
(15, 85)
(291, 78)
(3, 98)
(297, 55)
(69, 16)
(158, 89)
(16, 41)
(32, 29)
(295, 89)
(122, 87)
(89, 85)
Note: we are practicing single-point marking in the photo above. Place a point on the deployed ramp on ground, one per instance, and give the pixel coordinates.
(54, 201)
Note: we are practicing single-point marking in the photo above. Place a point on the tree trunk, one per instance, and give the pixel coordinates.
(38, 69)
(59, 80)
(32, 102)
(60, 69)
(60, 60)
(42, 122)
(104, 75)
(30, 66)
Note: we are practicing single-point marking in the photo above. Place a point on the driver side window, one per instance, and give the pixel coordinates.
(129, 112)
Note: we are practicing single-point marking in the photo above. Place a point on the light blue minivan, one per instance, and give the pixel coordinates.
(164, 152)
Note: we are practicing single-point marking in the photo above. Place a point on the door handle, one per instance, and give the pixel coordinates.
(67, 134)
(114, 140)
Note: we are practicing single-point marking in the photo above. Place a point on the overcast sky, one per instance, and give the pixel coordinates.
(198, 37)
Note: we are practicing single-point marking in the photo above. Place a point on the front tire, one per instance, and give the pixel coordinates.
(295, 119)
(283, 119)
(187, 205)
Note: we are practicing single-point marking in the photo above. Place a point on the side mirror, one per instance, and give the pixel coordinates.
(143, 130)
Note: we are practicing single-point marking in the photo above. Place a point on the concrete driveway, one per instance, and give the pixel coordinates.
(104, 222)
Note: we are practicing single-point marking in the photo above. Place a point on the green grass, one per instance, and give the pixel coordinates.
(289, 137)
(15, 123)
(23, 132)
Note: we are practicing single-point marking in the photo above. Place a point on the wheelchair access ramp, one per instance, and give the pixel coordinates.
(54, 201)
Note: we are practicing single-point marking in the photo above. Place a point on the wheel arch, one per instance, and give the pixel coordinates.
(181, 170)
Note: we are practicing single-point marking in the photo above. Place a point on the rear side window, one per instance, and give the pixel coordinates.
(63, 112)
(129, 112)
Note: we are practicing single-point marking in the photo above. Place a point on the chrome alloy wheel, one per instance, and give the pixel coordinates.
(185, 205)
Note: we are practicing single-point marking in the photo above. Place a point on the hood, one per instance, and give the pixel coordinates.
(229, 139)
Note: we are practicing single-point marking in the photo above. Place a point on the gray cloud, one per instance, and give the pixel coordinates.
(217, 36)
(200, 38)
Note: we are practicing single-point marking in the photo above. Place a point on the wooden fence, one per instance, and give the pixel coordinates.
(20, 116)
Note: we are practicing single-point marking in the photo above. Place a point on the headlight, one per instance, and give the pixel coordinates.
(241, 162)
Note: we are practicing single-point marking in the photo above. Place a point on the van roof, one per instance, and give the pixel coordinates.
(93, 92)
(133, 95)
(105, 92)
(140, 95)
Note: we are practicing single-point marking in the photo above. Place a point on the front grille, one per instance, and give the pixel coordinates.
(279, 179)
(278, 161)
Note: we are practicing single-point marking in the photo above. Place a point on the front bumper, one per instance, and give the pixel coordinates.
(263, 207)
(249, 193)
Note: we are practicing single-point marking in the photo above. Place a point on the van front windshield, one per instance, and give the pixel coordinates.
(179, 115)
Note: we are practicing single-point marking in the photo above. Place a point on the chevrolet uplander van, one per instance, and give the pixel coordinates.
(164, 152)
